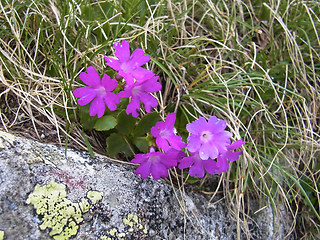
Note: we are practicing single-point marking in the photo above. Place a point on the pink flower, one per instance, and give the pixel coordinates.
(224, 158)
(140, 92)
(198, 166)
(208, 141)
(164, 134)
(208, 138)
(156, 163)
(129, 67)
(98, 91)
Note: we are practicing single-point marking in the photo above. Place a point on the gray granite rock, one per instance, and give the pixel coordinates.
(47, 195)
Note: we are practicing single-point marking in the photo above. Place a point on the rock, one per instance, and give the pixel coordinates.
(47, 195)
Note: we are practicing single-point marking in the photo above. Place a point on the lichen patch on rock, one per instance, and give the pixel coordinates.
(94, 196)
(133, 229)
(58, 213)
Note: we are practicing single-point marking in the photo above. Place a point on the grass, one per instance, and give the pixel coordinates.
(254, 64)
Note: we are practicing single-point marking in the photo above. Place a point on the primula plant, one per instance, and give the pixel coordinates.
(208, 148)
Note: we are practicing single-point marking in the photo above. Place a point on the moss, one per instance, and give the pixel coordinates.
(58, 213)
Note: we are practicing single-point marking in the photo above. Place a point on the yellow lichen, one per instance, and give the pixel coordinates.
(58, 213)
(113, 232)
(133, 224)
(135, 218)
(94, 196)
(105, 238)
(127, 222)
(132, 221)
(1, 235)
(121, 235)
(85, 205)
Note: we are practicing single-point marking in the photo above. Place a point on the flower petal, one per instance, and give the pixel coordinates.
(203, 153)
(83, 91)
(236, 144)
(171, 157)
(197, 126)
(176, 142)
(144, 169)
(125, 94)
(162, 143)
(86, 94)
(127, 76)
(216, 125)
(197, 169)
(158, 170)
(97, 107)
(151, 85)
(186, 162)
(155, 131)
(133, 107)
(170, 120)
(149, 101)
(210, 166)
(139, 158)
(208, 150)
(113, 63)
(111, 100)
(86, 99)
(141, 74)
(222, 163)
(233, 156)
(194, 143)
(221, 141)
(122, 51)
(108, 83)
(91, 78)
(138, 58)
(177, 154)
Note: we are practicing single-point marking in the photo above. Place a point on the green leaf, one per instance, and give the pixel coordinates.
(146, 123)
(87, 122)
(141, 143)
(117, 144)
(126, 123)
(105, 123)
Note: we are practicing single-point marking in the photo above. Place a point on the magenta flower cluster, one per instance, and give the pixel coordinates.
(140, 82)
(210, 146)
(208, 143)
